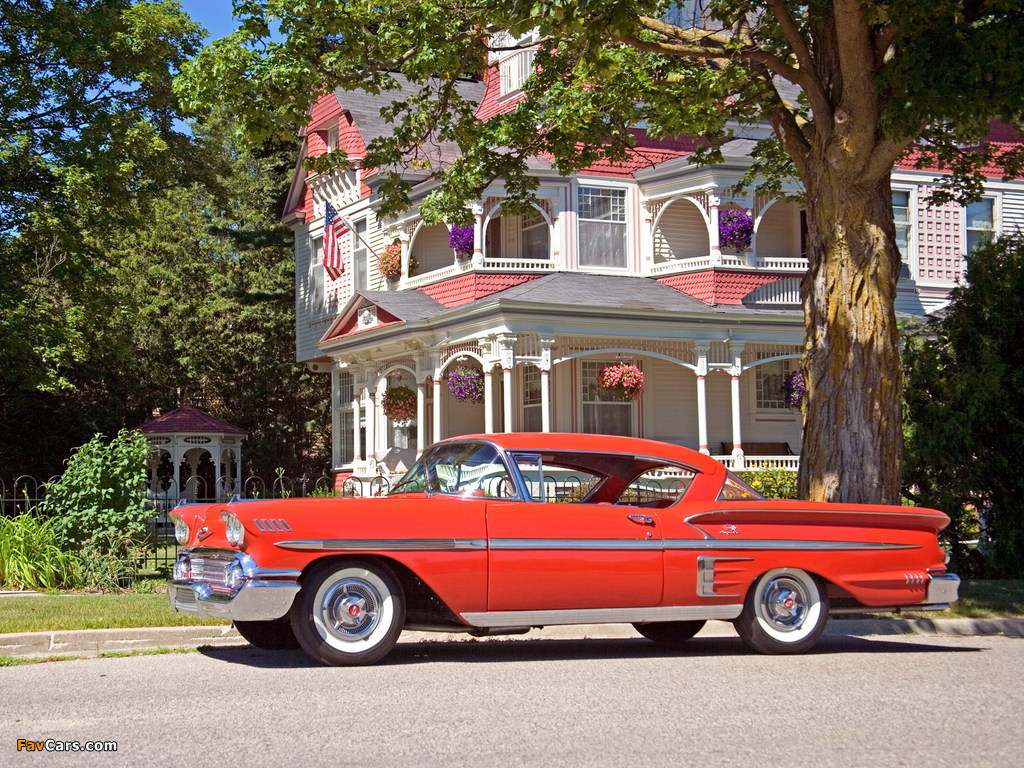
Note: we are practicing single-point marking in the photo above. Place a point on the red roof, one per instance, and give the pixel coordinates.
(190, 420)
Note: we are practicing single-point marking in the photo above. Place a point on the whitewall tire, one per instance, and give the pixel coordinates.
(349, 613)
(785, 612)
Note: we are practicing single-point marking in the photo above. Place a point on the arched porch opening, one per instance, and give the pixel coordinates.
(681, 232)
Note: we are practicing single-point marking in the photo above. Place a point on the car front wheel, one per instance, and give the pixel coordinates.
(349, 613)
(669, 632)
(276, 635)
(785, 612)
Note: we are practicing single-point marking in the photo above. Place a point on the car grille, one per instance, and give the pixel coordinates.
(210, 567)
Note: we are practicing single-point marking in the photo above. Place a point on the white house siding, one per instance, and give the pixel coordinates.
(430, 249)
(311, 318)
(680, 233)
(778, 234)
(767, 426)
(670, 403)
(1012, 213)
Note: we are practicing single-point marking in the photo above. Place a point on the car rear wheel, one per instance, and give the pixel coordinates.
(669, 632)
(785, 612)
(276, 635)
(349, 613)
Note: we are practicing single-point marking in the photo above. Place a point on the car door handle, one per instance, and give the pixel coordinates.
(641, 519)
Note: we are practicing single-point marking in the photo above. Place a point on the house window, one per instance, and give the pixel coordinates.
(532, 417)
(600, 413)
(315, 278)
(514, 70)
(345, 390)
(980, 222)
(332, 139)
(359, 256)
(602, 227)
(770, 381)
(901, 217)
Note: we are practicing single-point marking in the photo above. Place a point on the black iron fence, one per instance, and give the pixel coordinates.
(25, 493)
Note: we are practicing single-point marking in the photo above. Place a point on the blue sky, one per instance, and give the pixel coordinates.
(215, 15)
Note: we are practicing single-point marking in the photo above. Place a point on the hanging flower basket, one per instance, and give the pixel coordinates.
(389, 262)
(735, 228)
(794, 388)
(460, 240)
(399, 404)
(466, 384)
(623, 381)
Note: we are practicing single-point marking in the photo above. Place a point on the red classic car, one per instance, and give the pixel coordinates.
(495, 534)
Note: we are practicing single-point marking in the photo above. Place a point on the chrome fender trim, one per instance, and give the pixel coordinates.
(602, 615)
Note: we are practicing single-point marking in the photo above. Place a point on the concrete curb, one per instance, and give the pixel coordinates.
(92, 642)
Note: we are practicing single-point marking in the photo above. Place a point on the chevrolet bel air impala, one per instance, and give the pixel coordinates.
(496, 534)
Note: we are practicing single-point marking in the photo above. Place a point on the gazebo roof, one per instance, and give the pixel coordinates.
(191, 421)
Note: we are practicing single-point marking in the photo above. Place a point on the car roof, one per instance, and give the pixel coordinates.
(571, 441)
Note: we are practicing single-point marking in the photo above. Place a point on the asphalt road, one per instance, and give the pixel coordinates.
(855, 701)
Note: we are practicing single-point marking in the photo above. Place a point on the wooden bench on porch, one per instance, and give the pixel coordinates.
(760, 449)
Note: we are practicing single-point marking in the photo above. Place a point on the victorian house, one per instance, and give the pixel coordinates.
(625, 267)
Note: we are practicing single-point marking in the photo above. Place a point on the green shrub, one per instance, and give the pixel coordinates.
(99, 510)
(771, 483)
(100, 498)
(31, 556)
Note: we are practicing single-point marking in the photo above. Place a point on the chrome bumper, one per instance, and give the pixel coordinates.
(943, 590)
(253, 594)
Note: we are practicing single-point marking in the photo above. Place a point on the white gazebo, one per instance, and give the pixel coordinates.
(195, 456)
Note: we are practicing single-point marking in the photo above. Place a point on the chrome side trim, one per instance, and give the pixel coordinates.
(691, 544)
(706, 575)
(576, 544)
(785, 544)
(602, 615)
(383, 544)
(654, 545)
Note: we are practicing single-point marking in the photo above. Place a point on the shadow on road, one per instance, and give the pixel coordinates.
(540, 650)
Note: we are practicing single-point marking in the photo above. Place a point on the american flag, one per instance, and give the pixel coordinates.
(334, 229)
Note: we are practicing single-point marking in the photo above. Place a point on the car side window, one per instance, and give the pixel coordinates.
(657, 488)
(549, 481)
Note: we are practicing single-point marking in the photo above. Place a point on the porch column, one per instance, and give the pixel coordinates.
(217, 458)
(545, 400)
(702, 398)
(371, 425)
(488, 403)
(546, 345)
(357, 430)
(477, 209)
(506, 384)
(507, 352)
(737, 435)
(716, 246)
(436, 431)
(421, 416)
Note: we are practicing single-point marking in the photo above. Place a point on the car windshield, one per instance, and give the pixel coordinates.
(602, 478)
(460, 469)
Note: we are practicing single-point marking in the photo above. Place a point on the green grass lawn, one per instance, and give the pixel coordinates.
(978, 599)
(88, 611)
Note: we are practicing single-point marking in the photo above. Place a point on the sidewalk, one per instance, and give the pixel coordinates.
(92, 642)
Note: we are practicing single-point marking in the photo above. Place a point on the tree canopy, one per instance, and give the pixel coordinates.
(965, 411)
(847, 86)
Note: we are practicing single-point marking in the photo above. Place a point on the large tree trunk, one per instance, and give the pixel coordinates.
(853, 442)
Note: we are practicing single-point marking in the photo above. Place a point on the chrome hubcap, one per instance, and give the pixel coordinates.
(785, 603)
(350, 609)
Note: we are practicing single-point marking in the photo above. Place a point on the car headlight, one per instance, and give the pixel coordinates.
(180, 529)
(234, 530)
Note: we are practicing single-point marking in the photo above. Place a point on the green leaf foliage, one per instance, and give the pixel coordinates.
(965, 412)
(98, 503)
(32, 555)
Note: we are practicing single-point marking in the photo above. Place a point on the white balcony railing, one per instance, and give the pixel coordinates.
(789, 463)
(487, 265)
(730, 261)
